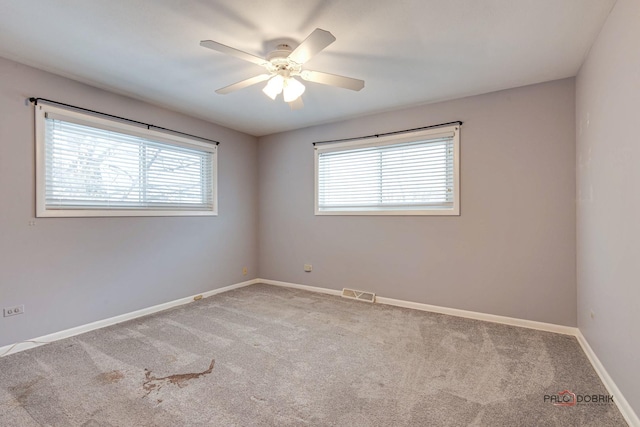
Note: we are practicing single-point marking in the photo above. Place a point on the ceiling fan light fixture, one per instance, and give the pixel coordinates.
(282, 64)
(274, 86)
(292, 89)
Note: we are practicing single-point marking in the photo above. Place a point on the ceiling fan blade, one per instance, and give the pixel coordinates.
(233, 52)
(332, 80)
(296, 104)
(242, 84)
(317, 40)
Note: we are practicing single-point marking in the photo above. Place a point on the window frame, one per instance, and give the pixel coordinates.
(85, 119)
(388, 141)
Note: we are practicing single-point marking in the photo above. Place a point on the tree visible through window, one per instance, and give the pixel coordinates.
(91, 170)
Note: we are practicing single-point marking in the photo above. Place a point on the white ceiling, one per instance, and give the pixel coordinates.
(408, 51)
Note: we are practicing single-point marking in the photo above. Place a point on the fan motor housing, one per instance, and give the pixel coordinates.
(279, 59)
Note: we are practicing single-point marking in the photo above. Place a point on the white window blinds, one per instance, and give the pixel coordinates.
(415, 173)
(91, 167)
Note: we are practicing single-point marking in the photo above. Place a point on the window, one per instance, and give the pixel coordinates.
(89, 166)
(405, 174)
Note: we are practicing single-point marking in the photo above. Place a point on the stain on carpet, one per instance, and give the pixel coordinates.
(111, 377)
(23, 391)
(154, 383)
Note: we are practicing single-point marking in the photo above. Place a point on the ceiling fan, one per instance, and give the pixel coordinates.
(284, 64)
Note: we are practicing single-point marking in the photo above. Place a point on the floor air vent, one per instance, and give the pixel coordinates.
(359, 295)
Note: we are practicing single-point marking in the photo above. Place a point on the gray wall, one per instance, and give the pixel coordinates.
(608, 212)
(511, 252)
(72, 271)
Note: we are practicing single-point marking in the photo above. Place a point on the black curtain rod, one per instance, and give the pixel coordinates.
(149, 126)
(389, 133)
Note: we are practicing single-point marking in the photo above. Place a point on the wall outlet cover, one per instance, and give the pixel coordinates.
(13, 311)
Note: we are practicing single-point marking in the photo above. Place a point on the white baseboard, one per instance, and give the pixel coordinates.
(46, 339)
(297, 286)
(623, 405)
(531, 324)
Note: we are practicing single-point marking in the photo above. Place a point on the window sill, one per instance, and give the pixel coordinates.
(382, 212)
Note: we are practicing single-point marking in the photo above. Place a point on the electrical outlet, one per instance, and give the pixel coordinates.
(245, 271)
(12, 311)
(308, 268)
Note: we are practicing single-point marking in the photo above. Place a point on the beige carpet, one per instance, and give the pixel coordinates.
(269, 356)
